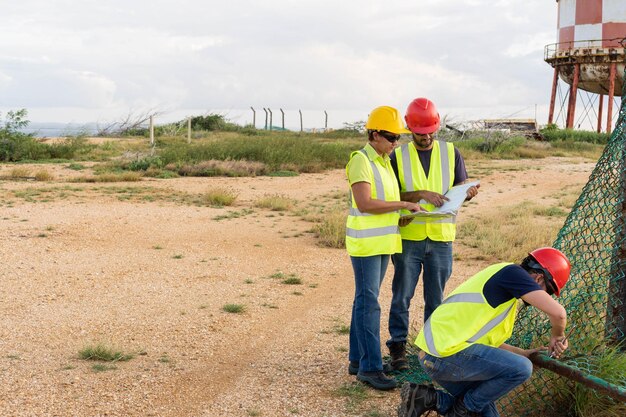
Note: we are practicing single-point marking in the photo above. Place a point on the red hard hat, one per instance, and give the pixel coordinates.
(422, 116)
(555, 263)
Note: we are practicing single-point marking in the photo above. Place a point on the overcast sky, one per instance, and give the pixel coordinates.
(82, 61)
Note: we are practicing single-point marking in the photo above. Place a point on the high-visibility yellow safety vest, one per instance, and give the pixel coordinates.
(374, 234)
(440, 179)
(465, 317)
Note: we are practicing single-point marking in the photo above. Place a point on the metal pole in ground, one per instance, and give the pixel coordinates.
(152, 130)
(283, 118)
(544, 361)
(301, 127)
(253, 117)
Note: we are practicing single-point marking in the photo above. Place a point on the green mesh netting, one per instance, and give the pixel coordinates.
(594, 239)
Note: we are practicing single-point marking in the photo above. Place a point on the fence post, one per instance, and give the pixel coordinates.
(253, 117)
(270, 111)
(283, 118)
(325, 121)
(265, 110)
(189, 130)
(152, 130)
(301, 127)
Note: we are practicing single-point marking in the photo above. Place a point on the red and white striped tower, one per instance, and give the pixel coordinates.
(590, 53)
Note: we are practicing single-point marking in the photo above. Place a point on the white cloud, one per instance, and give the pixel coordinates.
(351, 56)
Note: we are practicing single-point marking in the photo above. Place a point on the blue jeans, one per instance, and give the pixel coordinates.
(435, 258)
(369, 272)
(478, 375)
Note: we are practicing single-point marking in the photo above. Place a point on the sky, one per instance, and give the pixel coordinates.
(100, 61)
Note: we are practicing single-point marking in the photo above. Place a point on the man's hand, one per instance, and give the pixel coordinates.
(471, 192)
(405, 221)
(528, 352)
(557, 346)
(434, 198)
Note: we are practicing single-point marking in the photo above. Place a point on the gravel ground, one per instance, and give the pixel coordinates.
(104, 263)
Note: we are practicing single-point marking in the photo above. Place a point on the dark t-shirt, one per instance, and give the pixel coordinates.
(512, 281)
(460, 173)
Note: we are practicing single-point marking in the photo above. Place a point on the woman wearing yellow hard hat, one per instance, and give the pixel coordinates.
(372, 235)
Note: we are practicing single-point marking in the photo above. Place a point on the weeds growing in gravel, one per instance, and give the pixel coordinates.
(102, 352)
(234, 308)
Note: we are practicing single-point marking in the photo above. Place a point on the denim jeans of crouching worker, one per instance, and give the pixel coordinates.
(369, 272)
(435, 259)
(479, 375)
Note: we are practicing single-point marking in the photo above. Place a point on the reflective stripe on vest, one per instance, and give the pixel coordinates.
(445, 167)
(378, 231)
(369, 234)
(378, 182)
(412, 177)
(465, 298)
(465, 317)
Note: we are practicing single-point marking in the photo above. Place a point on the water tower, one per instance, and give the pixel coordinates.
(590, 54)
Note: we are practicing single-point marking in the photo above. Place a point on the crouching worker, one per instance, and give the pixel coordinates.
(462, 343)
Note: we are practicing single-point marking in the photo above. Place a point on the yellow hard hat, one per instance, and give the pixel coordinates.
(386, 118)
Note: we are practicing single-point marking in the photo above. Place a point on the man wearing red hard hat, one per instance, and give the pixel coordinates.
(463, 344)
(426, 169)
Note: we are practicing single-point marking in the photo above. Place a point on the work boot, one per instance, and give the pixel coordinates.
(415, 400)
(459, 410)
(397, 351)
(377, 379)
(353, 368)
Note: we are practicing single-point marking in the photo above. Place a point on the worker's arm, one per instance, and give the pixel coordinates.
(366, 204)
(428, 196)
(520, 351)
(557, 315)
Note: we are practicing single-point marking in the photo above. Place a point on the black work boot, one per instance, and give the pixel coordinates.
(459, 410)
(415, 400)
(397, 351)
(377, 380)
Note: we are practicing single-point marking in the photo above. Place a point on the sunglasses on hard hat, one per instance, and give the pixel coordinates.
(391, 137)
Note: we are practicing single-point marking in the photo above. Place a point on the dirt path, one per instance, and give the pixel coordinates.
(86, 264)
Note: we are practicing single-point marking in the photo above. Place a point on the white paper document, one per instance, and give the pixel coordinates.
(456, 196)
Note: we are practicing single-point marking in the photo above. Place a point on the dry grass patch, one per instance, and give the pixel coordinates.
(275, 202)
(219, 197)
(121, 177)
(19, 172)
(216, 168)
(331, 229)
(513, 232)
(43, 175)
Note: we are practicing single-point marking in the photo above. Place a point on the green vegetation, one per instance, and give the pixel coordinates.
(354, 393)
(102, 352)
(331, 228)
(234, 308)
(578, 400)
(293, 280)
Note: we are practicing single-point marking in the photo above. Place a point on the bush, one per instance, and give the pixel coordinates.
(552, 133)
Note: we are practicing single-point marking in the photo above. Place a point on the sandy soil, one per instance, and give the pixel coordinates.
(83, 265)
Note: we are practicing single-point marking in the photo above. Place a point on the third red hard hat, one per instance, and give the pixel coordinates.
(556, 263)
(422, 116)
